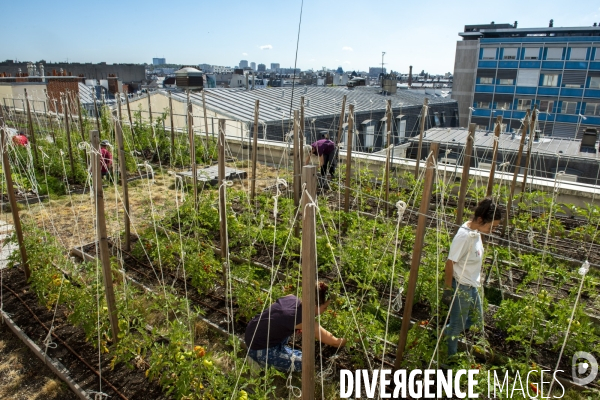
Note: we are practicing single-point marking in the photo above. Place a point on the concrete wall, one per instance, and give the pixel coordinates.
(13, 95)
(465, 68)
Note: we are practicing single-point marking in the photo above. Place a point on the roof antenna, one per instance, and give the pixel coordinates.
(551, 24)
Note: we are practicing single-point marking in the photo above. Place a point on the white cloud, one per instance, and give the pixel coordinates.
(244, 54)
(347, 62)
(347, 48)
(265, 47)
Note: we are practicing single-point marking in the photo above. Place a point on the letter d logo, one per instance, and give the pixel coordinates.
(581, 368)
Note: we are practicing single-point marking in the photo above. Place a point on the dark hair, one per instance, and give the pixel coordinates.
(322, 295)
(488, 211)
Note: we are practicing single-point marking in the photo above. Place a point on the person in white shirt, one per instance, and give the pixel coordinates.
(463, 271)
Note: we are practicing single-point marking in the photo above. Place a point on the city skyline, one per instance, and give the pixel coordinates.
(332, 33)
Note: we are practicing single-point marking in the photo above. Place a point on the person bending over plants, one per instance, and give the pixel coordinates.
(463, 271)
(267, 334)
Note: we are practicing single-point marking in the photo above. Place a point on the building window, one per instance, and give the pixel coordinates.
(532, 53)
(503, 105)
(572, 86)
(578, 53)
(486, 80)
(568, 107)
(489, 53)
(550, 80)
(370, 136)
(523, 104)
(506, 81)
(510, 53)
(597, 57)
(592, 109)
(483, 104)
(546, 105)
(595, 82)
(554, 53)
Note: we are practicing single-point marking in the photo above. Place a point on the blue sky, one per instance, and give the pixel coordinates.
(349, 33)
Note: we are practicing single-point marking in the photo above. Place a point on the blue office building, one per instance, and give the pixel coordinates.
(504, 70)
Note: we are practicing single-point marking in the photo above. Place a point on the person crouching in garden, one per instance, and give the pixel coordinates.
(463, 272)
(267, 334)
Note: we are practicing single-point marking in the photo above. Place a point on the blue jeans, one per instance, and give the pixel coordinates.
(466, 309)
(280, 357)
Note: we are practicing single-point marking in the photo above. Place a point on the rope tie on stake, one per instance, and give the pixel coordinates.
(397, 304)
(148, 168)
(401, 206)
(48, 340)
(278, 193)
(288, 383)
(224, 183)
(98, 395)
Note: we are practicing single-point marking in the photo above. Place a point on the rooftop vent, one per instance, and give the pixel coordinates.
(189, 78)
(588, 141)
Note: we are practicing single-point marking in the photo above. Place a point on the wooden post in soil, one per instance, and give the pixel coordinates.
(417, 250)
(81, 129)
(150, 109)
(341, 123)
(386, 179)
(190, 121)
(349, 157)
(222, 204)
(254, 151)
(130, 120)
(11, 196)
(65, 99)
(96, 111)
(172, 128)
(31, 132)
(464, 179)
(421, 130)
(205, 122)
(515, 173)
(309, 268)
(529, 145)
(48, 117)
(123, 171)
(102, 236)
(297, 169)
(301, 137)
(490, 184)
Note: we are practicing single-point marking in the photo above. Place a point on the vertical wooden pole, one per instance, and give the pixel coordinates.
(123, 171)
(301, 144)
(254, 151)
(417, 250)
(349, 157)
(96, 109)
(129, 116)
(421, 130)
(11, 196)
(49, 117)
(205, 118)
(222, 194)
(68, 131)
(529, 145)
(150, 109)
(190, 121)
(81, 129)
(296, 155)
(172, 128)
(464, 180)
(515, 173)
(386, 179)
(309, 269)
(102, 236)
(490, 184)
(341, 123)
(31, 132)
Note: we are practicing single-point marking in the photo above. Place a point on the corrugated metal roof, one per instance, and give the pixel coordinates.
(238, 103)
(485, 139)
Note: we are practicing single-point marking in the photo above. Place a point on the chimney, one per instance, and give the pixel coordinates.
(551, 24)
(516, 23)
(410, 76)
(595, 24)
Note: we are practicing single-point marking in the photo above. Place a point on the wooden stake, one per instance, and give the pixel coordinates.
(296, 155)
(254, 151)
(349, 157)
(515, 173)
(130, 120)
(205, 121)
(172, 128)
(102, 236)
(49, 117)
(529, 145)
(309, 269)
(68, 131)
(150, 108)
(490, 184)
(421, 130)
(464, 180)
(31, 132)
(301, 144)
(190, 121)
(341, 124)
(96, 109)
(386, 179)
(417, 250)
(11, 196)
(81, 129)
(123, 171)
(222, 194)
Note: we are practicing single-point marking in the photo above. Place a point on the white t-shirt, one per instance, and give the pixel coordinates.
(466, 251)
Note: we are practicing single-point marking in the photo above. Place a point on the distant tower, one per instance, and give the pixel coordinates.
(410, 76)
(253, 66)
